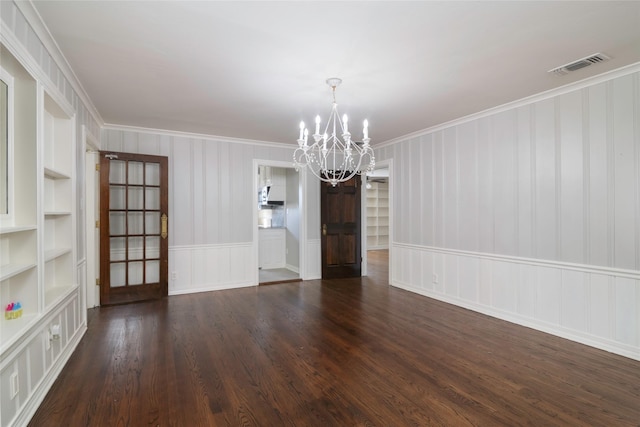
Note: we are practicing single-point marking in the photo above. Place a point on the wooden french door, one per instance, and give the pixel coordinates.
(134, 249)
(340, 219)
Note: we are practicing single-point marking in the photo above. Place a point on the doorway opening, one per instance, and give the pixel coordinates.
(378, 224)
(278, 196)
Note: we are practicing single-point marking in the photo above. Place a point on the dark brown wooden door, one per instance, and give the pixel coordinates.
(134, 247)
(340, 219)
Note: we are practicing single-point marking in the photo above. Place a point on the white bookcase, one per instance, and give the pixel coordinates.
(58, 200)
(378, 215)
(38, 266)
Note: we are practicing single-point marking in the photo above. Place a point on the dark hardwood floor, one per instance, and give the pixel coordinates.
(331, 353)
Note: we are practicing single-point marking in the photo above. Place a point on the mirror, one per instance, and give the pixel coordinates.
(4, 148)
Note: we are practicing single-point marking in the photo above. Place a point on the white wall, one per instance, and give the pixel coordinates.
(211, 204)
(530, 212)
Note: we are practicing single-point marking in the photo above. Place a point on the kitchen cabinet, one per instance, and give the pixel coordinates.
(271, 248)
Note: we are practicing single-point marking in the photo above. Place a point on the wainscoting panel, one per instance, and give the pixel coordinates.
(38, 359)
(210, 267)
(594, 306)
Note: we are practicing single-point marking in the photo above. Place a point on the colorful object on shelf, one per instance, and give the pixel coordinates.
(13, 311)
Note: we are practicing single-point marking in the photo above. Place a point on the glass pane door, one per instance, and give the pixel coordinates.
(137, 227)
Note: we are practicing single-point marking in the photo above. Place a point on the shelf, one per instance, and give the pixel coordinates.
(8, 271)
(56, 293)
(378, 215)
(17, 229)
(12, 329)
(54, 174)
(55, 253)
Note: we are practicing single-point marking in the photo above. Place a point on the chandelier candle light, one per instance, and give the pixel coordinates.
(330, 158)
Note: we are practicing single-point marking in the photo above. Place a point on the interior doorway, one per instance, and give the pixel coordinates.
(134, 250)
(378, 235)
(278, 198)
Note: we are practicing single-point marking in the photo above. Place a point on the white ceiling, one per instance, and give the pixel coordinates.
(253, 70)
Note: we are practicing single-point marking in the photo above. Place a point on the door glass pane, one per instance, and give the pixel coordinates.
(153, 198)
(117, 172)
(117, 275)
(136, 170)
(153, 247)
(135, 222)
(152, 172)
(152, 223)
(117, 197)
(135, 198)
(116, 223)
(135, 273)
(135, 250)
(117, 249)
(153, 271)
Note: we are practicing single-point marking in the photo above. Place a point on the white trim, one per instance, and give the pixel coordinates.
(36, 22)
(8, 219)
(556, 330)
(91, 196)
(609, 75)
(92, 142)
(585, 268)
(180, 134)
(540, 301)
(224, 286)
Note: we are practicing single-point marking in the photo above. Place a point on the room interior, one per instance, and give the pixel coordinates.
(510, 133)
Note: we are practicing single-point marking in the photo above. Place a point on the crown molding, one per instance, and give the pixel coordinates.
(581, 84)
(179, 134)
(38, 25)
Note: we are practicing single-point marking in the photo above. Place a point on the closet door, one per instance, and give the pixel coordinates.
(134, 219)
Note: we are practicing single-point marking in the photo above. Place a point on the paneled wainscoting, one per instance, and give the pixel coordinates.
(36, 360)
(203, 268)
(588, 304)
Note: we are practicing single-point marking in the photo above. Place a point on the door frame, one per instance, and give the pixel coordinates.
(379, 165)
(302, 191)
(91, 148)
(143, 291)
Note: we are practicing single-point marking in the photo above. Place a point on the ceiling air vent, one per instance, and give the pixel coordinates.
(596, 58)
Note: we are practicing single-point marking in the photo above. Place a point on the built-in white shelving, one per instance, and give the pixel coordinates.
(37, 233)
(378, 215)
(38, 256)
(19, 222)
(57, 201)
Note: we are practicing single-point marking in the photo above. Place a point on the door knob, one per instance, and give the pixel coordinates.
(324, 229)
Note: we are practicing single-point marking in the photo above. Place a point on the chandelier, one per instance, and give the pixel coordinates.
(333, 156)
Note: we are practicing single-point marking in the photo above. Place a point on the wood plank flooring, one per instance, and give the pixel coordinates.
(353, 352)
